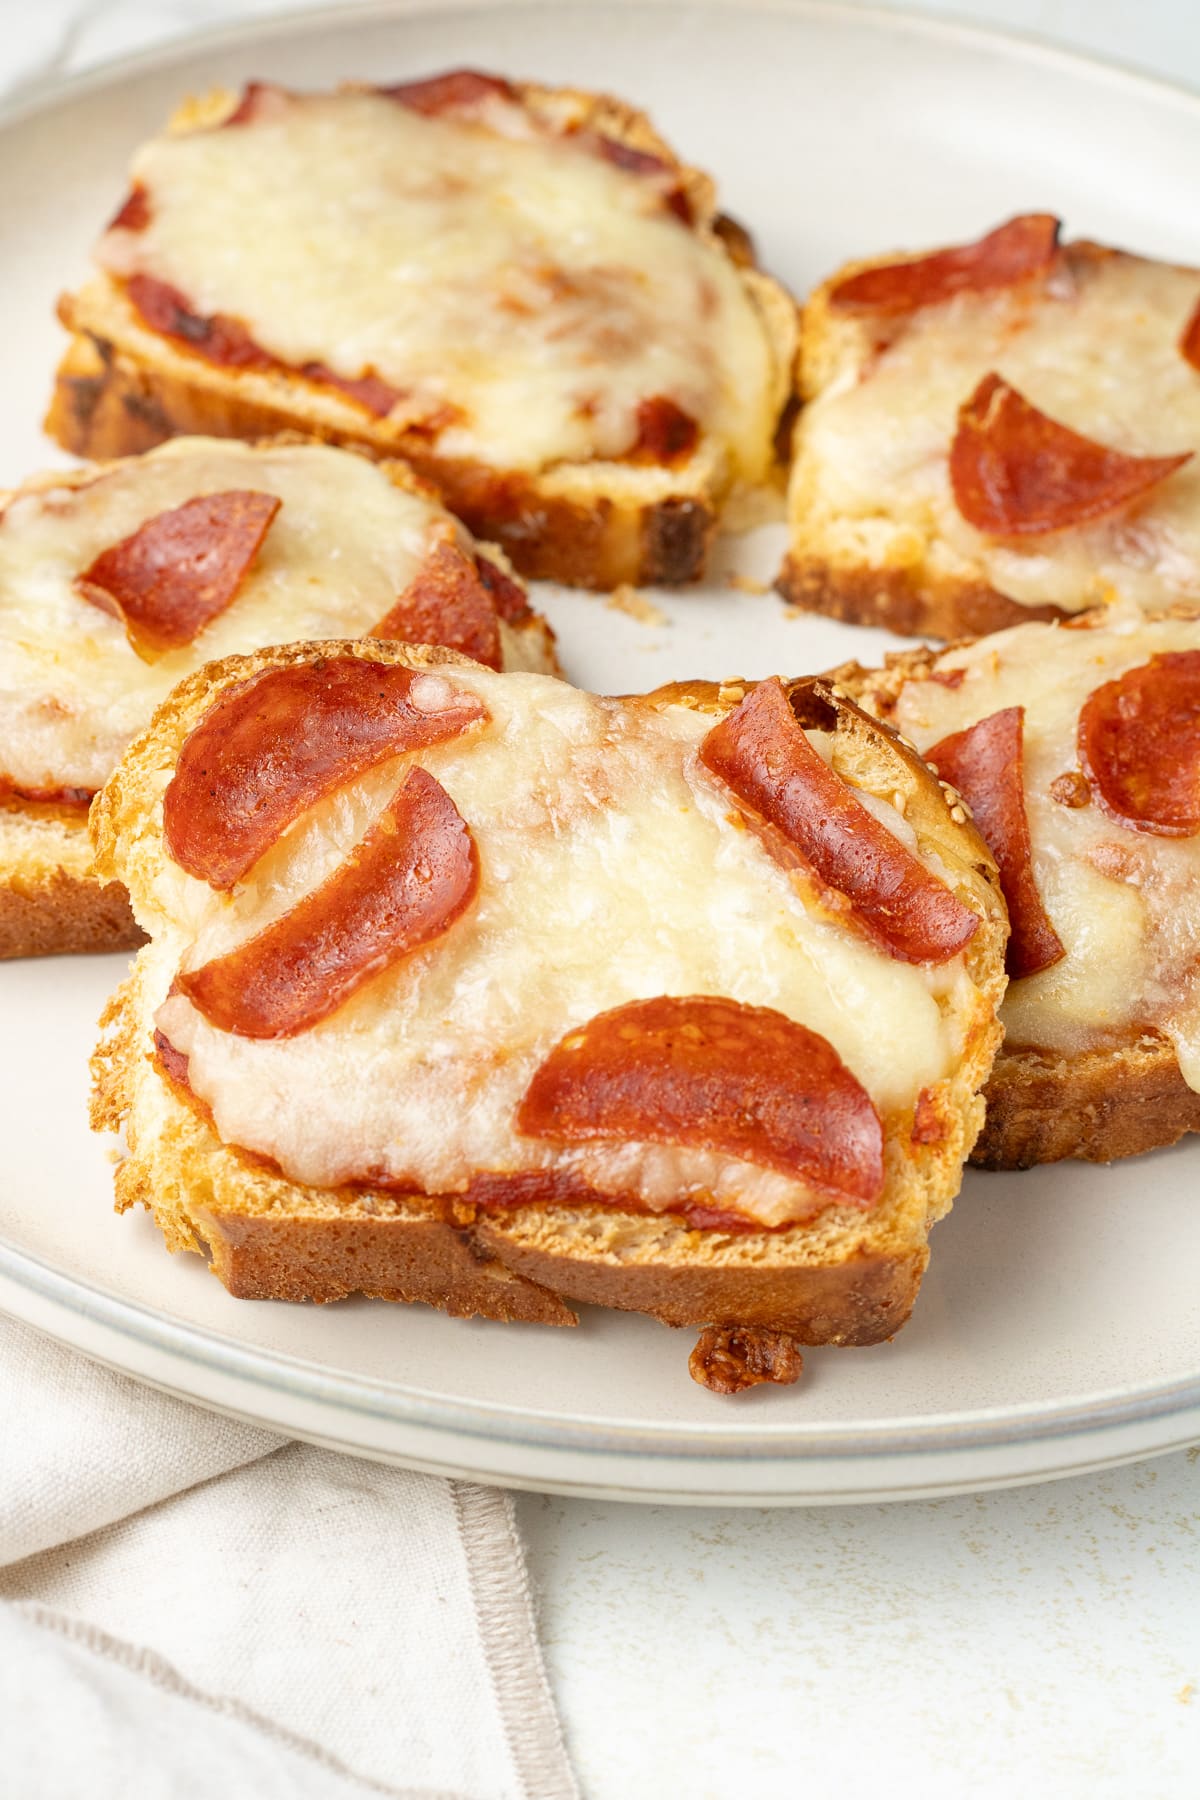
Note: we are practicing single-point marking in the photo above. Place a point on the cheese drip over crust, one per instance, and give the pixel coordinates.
(540, 292)
(1125, 903)
(612, 869)
(73, 692)
(1096, 347)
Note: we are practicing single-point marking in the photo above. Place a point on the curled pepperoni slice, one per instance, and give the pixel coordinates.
(986, 764)
(412, 876)
(1189, 343)
(182, 568)
(666, 434)
(717, 1075)
(1139, 742)
(1017, 473)
(813, 820)
(272, 746)
(448, 603)
(1023, 247)
(457, 90)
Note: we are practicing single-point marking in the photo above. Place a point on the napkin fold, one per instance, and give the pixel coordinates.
(192, 1607)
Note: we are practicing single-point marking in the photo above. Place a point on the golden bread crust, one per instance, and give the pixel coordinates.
(121, 388)
(1096, 1107)
(847, 1276)
(50, 903)
(908, 602)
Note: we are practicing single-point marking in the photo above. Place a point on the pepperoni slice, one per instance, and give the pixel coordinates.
(179, 570)
(1189, 343)
(414, 873)
(986, 764)
(717, 1075)
(1017, 473)
(813, 820)
(135, 213)
(272, 746)
(457, 90)
(1139, 742)
(508, 596)
(1016, 251)
(666, 434)
(447, 603)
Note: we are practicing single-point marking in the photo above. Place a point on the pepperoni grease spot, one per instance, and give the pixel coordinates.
(986, 764)
(275, 744)
(414, 873)
(1016, 472)
(176, 573)
(713, 1074)
(1139, 743)
(814, 820)
(448, 602)
(456, 90)
(1014, 252)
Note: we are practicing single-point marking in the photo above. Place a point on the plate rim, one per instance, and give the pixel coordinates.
(671, 1441)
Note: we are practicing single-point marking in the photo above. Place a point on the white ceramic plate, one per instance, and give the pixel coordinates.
(1059, 1327)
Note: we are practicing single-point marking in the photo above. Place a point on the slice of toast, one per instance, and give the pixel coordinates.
(991, 434)
(1100, 1058)
(117, 579)
(600, 876)
(521, 290)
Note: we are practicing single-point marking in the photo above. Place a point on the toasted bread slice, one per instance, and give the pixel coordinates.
(206, 546)
(601, 881)
(992, 434)
(1100, 1058)
(521, 290)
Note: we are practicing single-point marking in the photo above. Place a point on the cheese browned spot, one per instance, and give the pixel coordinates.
(813, 819)
(175, 573)
(1015, 472)
(719, 1075)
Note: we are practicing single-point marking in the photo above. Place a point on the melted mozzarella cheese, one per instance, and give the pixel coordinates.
(1125, 903)
(612, 871)
(537, 288)
(1099, 353)
(73, 691)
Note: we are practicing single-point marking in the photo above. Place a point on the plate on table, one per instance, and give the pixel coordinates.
(1058, 1329)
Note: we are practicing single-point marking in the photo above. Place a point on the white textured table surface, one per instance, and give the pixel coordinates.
(1043, 1642)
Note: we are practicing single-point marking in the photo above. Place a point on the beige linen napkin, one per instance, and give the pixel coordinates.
(193, 1608)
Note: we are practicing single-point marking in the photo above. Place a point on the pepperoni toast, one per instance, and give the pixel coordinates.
(521, 290)
(499, 996)
(1001, 431)
(116, 580)
(1076, 747)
